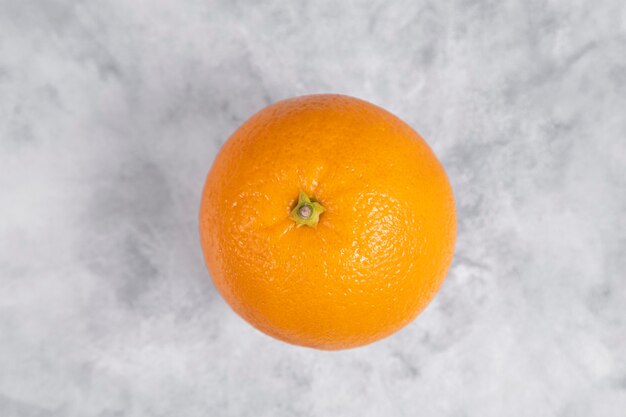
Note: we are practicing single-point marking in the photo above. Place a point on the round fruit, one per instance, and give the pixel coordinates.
(327, 222)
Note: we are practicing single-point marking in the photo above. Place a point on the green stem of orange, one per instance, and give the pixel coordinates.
(307, 211)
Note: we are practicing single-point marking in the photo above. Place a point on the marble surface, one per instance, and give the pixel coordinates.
(112, 112)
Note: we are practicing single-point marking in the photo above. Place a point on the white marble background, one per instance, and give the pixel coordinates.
(112, 112)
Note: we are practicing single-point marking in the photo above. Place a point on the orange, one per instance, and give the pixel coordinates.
(327, 222)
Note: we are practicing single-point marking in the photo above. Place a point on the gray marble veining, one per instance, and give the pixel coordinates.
(112, 112)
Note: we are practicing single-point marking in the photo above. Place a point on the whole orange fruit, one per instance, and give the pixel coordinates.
(327, 222)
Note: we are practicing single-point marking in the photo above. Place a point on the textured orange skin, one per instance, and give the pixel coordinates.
(381, 249)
